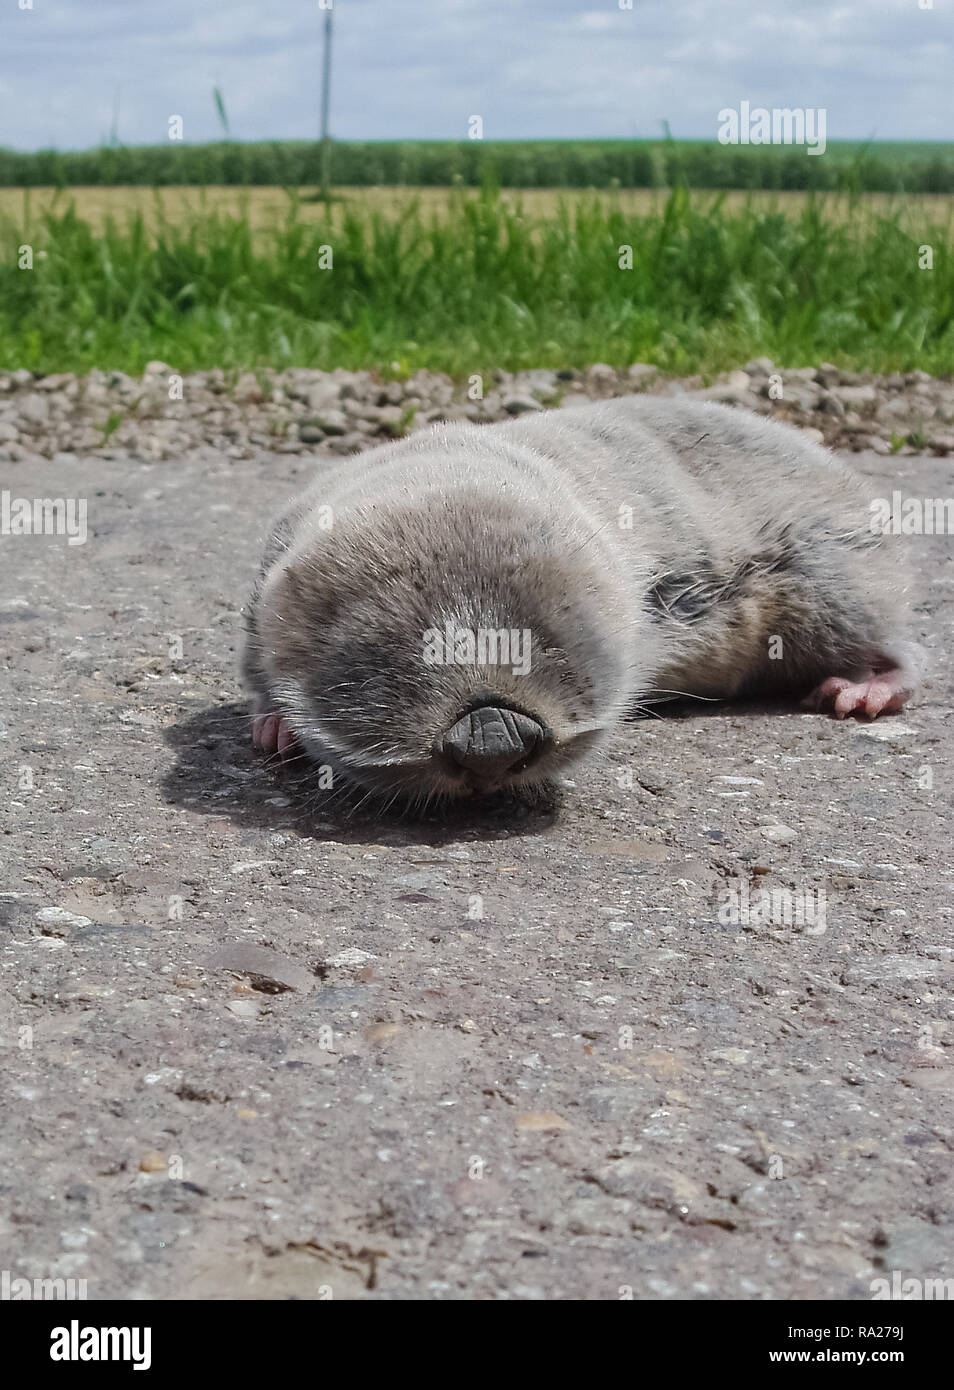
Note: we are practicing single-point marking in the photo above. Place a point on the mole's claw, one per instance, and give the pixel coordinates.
(272, 735)
(879, 694)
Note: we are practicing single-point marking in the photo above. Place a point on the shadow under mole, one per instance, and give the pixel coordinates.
(218, 773)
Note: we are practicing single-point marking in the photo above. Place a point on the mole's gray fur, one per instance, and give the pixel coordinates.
(643, 547)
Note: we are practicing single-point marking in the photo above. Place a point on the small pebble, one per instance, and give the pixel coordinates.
(778, 834)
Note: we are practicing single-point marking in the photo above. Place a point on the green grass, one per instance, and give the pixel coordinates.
(483, 286)
(916, 167)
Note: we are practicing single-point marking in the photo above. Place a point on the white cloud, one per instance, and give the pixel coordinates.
(419, 68)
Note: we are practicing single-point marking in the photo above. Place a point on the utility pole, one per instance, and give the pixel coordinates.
(325, 97)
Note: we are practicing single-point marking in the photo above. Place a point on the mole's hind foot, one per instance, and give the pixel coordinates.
(272, 735)
(882, 693)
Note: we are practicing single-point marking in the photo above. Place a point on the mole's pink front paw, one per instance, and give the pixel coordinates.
(879, 694)
(272, 735)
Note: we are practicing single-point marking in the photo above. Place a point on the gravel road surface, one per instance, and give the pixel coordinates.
(252, 1048)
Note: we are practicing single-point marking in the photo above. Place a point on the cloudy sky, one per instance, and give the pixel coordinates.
(419, 68)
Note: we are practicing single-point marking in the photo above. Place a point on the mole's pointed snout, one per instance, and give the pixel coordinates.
(489, 741)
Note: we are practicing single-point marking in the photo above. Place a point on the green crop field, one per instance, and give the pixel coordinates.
(481, 282)
(872, 168)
